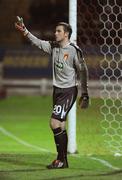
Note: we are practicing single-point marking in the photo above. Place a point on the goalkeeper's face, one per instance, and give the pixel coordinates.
(60, 34)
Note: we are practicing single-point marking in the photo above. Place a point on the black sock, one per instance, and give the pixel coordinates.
(59, 141)
(65, 138)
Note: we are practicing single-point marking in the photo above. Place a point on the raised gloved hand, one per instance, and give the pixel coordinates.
(19, 25)
(84, 101)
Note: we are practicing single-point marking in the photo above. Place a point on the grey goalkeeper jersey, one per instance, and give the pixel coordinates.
(65, 63)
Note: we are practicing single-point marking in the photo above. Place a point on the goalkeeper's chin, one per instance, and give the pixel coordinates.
(58, 40)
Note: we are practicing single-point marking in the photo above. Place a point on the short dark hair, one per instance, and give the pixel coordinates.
(67, 28)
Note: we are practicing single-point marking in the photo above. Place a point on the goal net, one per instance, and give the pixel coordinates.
(111, 78)
(99, 35)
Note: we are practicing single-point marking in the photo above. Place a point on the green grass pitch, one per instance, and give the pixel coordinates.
(27, 146)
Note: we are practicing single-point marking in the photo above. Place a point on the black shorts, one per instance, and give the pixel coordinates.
(63, 100)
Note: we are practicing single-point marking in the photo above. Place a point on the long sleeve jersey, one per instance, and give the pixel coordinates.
(66, 63)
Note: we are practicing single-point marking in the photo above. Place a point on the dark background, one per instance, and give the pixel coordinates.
(22, 60)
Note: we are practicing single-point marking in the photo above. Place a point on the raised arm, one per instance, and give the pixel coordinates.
(44, 45)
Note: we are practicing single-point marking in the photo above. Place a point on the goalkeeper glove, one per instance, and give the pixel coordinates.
(84, 101)
(19, 25)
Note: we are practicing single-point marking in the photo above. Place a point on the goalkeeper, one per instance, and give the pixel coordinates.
(68, 66)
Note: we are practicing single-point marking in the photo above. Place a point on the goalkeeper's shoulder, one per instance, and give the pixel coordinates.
(78, 49)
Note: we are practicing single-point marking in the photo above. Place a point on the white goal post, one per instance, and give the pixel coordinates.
(72, 145)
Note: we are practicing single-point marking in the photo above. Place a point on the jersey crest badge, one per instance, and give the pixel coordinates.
(66, 56)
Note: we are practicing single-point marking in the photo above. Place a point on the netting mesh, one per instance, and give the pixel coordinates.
(88, 34)
(99, 34)
(111, 78)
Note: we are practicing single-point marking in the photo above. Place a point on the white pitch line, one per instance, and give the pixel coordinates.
(20, 141)
(102, 161)
(106, 163)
